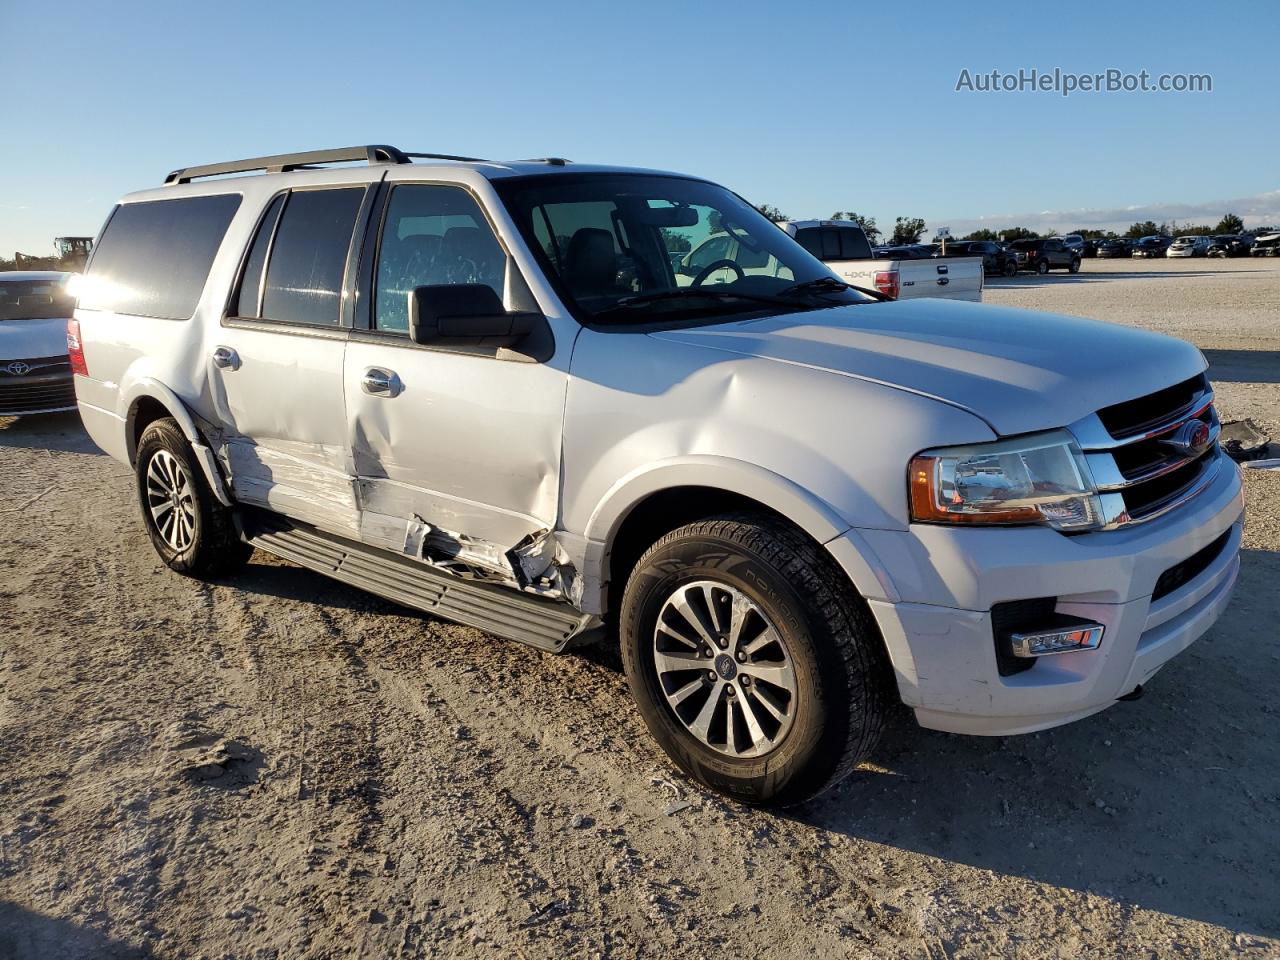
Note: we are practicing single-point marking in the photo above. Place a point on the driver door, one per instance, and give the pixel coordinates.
(456, 449)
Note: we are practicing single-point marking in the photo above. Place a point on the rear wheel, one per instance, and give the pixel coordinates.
(193, 533)
(1010, 268)
(1075, 265)
(1042, 267)
(753, 663)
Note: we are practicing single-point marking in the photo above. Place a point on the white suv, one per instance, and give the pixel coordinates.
(498, 393)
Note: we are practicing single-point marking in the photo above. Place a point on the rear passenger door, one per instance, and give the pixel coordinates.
(276, 368)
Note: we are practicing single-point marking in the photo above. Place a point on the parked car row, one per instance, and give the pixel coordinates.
(996, 256)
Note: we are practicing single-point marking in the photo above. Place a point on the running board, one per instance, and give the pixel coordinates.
(545, 624)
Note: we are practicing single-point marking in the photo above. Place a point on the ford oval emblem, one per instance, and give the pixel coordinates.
(1192, 437)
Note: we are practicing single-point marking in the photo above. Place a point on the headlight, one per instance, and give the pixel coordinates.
(1040, 478)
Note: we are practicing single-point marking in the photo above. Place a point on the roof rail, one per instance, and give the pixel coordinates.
(282, 162)
(445, 156)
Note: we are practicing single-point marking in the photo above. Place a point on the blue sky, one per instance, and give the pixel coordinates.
(812, 107)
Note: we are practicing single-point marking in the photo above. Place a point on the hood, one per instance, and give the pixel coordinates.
(1019, 370)
(24, 339)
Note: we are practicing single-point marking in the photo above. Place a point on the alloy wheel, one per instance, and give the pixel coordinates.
(724, 669)
(171, 500)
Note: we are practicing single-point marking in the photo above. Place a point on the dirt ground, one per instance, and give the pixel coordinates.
(280, 766)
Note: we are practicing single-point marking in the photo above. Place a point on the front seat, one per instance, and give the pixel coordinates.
(591, 263)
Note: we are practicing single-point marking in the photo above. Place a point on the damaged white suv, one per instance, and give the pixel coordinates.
(503, 394)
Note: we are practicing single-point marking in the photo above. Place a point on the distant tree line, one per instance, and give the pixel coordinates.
(1229, 224)
(907, 230)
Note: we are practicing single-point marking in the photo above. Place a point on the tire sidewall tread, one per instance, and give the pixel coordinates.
(216, 548)
(834, 646)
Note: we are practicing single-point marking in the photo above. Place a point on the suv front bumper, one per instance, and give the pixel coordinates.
(941, 582)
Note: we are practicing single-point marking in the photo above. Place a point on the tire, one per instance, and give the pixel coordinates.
(1010, 269)
(195, 535)
(1075, 265)
(838, 667)
(1042, 267)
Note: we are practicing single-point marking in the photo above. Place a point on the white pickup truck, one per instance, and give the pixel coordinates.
(844, 248)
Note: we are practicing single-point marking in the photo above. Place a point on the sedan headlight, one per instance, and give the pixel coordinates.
(1041, 478)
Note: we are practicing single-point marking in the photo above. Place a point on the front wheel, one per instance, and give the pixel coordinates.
(755, 666)
(1010, 269)
(1075, 265)
(193, 533)
(1042, 267)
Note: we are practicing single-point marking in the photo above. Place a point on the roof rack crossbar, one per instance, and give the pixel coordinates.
(282, 162)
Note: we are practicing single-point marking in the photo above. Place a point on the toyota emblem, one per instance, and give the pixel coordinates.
(18, 368)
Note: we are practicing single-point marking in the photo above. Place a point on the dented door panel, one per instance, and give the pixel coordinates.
(290, 457)
(462, 466)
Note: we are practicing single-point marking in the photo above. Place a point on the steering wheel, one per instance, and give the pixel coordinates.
(712, 267)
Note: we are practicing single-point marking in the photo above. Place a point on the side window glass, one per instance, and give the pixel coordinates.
(309, 256)
(154, 257)
(250, 293)
(432, 235)
(854, 245)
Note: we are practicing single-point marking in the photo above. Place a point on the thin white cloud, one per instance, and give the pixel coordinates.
(1260, 210)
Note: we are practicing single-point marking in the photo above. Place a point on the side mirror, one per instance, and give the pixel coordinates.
(465, 312)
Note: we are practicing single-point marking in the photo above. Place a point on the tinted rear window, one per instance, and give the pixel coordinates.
(835, 243)
(34, 299)
(1025, 244)
(154, 257)
(309, 256)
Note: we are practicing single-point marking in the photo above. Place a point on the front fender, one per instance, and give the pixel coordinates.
(778, 493)
(786, 497)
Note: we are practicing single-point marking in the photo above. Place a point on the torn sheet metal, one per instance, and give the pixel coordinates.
(1244, 441)
(303, 480)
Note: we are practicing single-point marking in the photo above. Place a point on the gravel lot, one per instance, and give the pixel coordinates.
(399, 786)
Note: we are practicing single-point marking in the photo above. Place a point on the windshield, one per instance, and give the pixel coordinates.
(636, 247)
(34, 299)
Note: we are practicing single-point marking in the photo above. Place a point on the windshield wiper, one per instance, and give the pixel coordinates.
(828, 285)
(719, 296)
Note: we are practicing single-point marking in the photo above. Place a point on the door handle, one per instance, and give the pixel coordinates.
(381, 383)
(226, 358)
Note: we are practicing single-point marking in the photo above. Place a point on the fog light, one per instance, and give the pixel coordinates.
(1066, 638)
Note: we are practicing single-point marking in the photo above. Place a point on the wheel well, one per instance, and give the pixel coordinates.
(659, 514)
(144, 412)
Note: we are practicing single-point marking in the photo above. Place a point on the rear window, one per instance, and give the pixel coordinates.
(34, 299)
(835, 243)
(154, 257)
(1024, 244)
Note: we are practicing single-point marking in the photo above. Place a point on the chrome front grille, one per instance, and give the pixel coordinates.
(1144, 453)
(36, 385)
